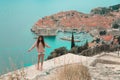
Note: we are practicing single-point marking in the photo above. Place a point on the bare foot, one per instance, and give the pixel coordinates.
(41, 68)
(37, 67)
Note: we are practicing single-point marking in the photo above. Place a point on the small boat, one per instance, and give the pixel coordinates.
(69, 39)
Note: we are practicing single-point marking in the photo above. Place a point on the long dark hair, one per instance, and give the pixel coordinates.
(42, 40)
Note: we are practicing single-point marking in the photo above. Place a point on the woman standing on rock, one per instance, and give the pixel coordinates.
(40, 45)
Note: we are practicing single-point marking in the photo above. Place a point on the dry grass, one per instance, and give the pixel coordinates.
(72, 72)
(15, 74)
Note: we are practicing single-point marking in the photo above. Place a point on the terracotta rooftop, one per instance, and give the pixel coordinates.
(77, 19)
(107, 37)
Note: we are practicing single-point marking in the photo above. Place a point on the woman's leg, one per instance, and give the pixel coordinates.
(42, 59)
(38, 61)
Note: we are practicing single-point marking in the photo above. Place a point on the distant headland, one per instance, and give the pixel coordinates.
(101, 17)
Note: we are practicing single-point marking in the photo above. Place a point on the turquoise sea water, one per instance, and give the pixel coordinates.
(16, 19)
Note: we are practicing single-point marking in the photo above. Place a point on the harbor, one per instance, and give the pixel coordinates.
(69, 39)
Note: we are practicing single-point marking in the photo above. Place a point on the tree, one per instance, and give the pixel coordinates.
(102, 32)
(57, 52)
(86, 45)
(97, 40)
(115, 26)
(72, 41)
(119, 40)
(118, 44)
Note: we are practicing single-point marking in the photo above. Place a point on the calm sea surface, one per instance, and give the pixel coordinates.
(17, 18)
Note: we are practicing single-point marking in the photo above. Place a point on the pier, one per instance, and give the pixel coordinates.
(69, 39)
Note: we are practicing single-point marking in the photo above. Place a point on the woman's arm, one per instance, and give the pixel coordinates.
(33, 46)
(47, 45)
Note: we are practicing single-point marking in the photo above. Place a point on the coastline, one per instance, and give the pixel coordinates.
(101, 17)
